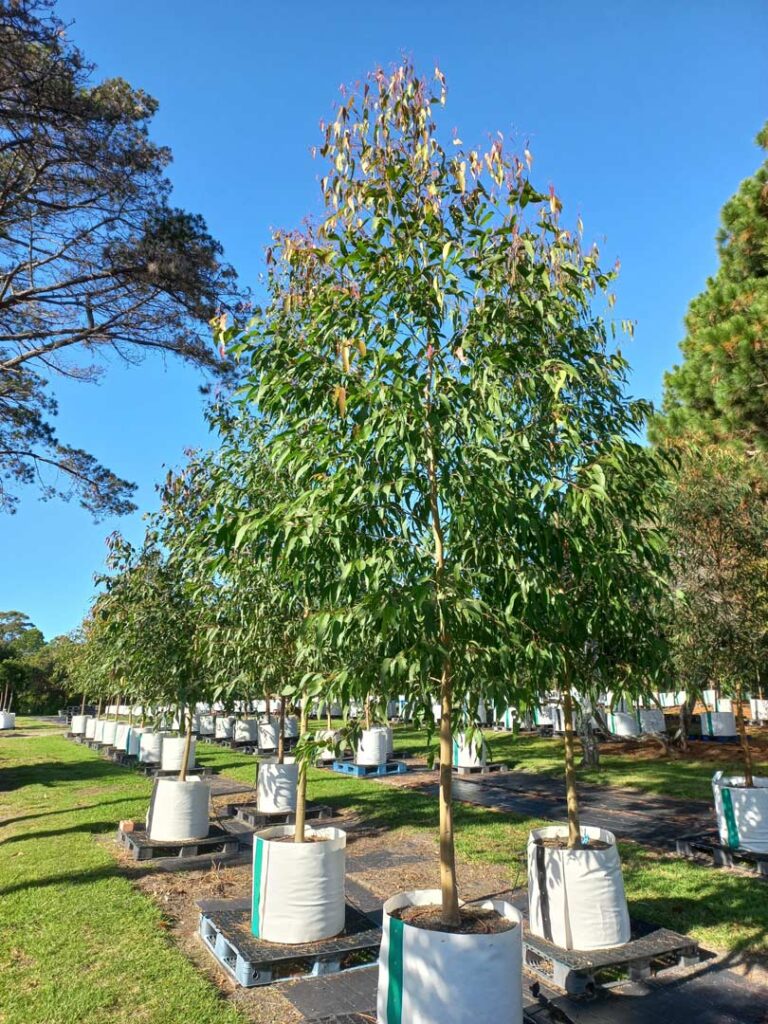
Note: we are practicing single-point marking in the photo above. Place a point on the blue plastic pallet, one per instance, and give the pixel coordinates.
(361, 771)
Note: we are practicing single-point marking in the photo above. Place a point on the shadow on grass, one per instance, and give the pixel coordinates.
(64, 810)
(73, 878)
(89, 827)
(50, 773)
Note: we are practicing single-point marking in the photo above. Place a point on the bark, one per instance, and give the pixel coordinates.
(98, 712)
(449, 890)
(686, 712)
(301, 793)
(5, 697)
(281, 734)
(187, 748)
(746, 751)
(117, 706)
(590, 747)
(572, 797)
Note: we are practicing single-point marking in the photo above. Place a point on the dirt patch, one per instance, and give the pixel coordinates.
(472, 920)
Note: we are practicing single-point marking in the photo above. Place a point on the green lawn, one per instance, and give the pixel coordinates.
(79, 943)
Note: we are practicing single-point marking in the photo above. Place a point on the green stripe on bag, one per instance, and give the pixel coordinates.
(709, 724)
(256, 907)
(455, 754)
(730, 818)
(395, 972)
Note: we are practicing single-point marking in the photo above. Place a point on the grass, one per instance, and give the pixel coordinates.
(79, 943)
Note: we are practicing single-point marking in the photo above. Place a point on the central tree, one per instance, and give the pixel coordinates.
(427, 369)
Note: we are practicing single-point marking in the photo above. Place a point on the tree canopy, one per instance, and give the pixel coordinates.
(94, 259)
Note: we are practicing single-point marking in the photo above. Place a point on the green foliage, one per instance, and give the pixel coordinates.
(31, 674)
(718, 391)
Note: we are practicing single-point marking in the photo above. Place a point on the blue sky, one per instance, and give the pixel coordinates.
(642, 115)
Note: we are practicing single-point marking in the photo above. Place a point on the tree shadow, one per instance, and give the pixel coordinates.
(50, 773)
(63, 810)
(89, 827)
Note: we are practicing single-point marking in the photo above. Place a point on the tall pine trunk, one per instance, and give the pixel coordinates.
(571, 794)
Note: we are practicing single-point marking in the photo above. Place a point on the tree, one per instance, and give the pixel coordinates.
(429, 370)
(94, 260)
(718, 522)
(719, 389)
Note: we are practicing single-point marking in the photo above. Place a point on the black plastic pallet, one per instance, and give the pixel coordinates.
(218, 841)
(708, 844)
(252, 816)
(225, 928)
(581, 972)
(479, 769)
(163, 773)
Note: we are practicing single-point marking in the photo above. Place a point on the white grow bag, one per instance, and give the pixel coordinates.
(543, 716)
(79, 724)
(622, 723)
(90, 728)
(134, 741)
(742, 814)
(150, 747)
(207, 726)
(224, 728)
(268, 735)
(178, 810)
(718, 723)
(576, 897)
(467, 755)
(327, 753)
(172, 753)
(431, 977)
(298, 888)
(108, 733)
(98, 730)
(291, 727)
(558, 719)
(276, 785)
(758, 709)
(372, 748)
(507, 719)
(121, 736)
(246, 730)
(7, 720)
(437, 710)
(651, 720)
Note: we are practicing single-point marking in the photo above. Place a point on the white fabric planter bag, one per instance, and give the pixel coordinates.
(621, 723)
(178, 810)
(429, 977)
(298, 888)
(172, 752)
(90, 728)
(246, 730)
(558, 719)
(150, 747)
(393, 709)
(437, 711)
(543, 716)
(718, 723)
(291, 727)
(121, 736)
(372, 747)
(758, 709)
(390, 740)
(224, 728)
(507, 718)
(276, 785)
(651, 720)
(98, 732)
(79, 724)
(134, 741)
(576, 897)
(467, 755)
(108, 733)
(268, 735)
(207, 726)
(328, 753)
(7, 720)
(742, 814)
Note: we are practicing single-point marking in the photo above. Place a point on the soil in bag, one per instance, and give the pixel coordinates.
(559, 843)
(472, 920)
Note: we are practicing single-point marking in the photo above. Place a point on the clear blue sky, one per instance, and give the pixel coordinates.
(642, 115)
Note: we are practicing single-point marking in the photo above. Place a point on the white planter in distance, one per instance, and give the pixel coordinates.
(207, 726)
(224, 728)
(468, 755)
(79, 724)
(758, 709)
(622, 723)
(134, 741)
(121, 736)
(581, 904)
(98, 731)
(178, 811)
(651, 720)
(372, 747)
(742, 813)
(268, 735)
(246, 730)
(276, 785)
(291, 727)
(432, 977)
(90, 728)
(298, 888)
(328, 753)
(108, 733)
(7, 720)
(172, 753)
(718, 723)
(150, 747)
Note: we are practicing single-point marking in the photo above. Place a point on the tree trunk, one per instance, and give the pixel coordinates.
(5, 697)
(686, 713)
(367, 713)
(187, 748)
(448, 887)
(301, 792)
(117, 706)
(98, 710)
(281, 734)
(572, 797)
(746, 752)
(10, 699)
(590, 748)
(82, 705)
